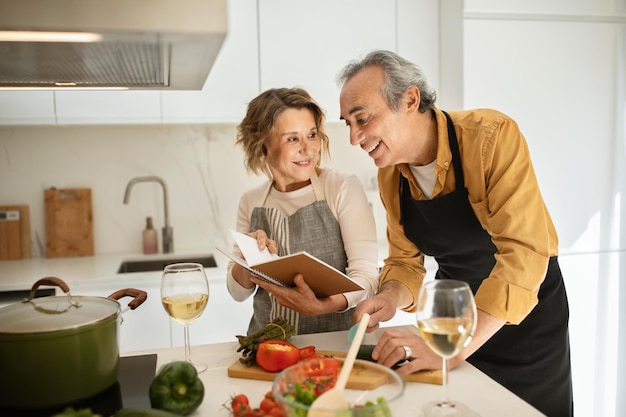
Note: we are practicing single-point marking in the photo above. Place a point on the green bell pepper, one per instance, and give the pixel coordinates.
(177, 388)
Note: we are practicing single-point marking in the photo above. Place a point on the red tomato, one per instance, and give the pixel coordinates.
(240, 405)
(276, 355)
(321, 366)
(277, 412)
(270, 395)
(322, 372)
(307, 352)
(267, 405)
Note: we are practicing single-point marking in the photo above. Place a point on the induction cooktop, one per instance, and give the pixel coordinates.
(130, 391)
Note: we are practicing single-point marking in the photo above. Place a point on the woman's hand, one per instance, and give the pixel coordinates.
(240, 274)
(301, 298)
(263, 241)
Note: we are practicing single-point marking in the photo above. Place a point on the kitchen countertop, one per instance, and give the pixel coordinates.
(94, 270)
(99, 269)
(147, 327)
(466, 383)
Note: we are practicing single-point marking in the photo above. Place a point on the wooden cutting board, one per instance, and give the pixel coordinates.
(362, 377)
(15, 234)
(69, 222)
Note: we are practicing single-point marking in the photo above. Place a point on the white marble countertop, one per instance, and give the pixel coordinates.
(94, 270)
(466, 383)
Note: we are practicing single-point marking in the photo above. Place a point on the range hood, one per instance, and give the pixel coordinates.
(140, 44)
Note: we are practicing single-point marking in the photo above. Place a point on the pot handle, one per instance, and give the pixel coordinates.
(138, 295)
(54, 282)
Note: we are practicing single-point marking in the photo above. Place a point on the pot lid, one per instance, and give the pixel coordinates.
(55, 313)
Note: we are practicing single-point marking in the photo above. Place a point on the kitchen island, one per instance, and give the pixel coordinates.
(149, 330)
(466, 383)
(149, 326)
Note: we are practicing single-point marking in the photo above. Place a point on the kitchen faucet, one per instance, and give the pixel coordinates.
(168, 232)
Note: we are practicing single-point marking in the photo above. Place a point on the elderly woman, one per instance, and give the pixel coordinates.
(302, 207)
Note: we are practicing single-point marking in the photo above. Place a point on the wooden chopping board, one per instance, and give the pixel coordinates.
(362, 377)
(15, 234)
(69, 222)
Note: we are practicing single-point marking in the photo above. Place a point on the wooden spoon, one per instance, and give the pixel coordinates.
(335, 398)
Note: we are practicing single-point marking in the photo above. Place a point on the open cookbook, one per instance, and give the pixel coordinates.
(323, 279)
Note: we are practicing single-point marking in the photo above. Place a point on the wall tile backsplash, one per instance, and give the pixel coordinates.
(201, 165)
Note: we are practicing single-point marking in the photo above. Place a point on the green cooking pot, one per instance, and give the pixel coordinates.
(59, 349)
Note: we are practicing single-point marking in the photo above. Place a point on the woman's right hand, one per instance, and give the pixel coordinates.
(264, 241)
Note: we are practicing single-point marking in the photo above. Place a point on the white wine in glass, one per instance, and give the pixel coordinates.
(446, 318)
(185, 294)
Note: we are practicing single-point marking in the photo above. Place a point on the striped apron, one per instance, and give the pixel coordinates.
(311, 228)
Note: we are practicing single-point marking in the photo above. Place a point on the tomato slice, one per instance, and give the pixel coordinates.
(320, 366)
(307, 352)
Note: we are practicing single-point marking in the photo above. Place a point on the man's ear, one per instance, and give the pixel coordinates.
(412, 99)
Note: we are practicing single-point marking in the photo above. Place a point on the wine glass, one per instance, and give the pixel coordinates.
(446, 318)
(185, 294)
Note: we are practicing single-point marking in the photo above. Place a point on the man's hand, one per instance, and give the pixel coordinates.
(383, 306)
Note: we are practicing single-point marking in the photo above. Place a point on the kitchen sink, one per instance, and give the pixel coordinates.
(159, 264)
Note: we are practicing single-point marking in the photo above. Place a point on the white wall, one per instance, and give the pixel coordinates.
(200, 164)
(559, 69)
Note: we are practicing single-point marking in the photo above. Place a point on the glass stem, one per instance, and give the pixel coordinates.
(444, 381)
(187, 347)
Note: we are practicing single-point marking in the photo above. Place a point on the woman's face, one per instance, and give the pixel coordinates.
(293, 149)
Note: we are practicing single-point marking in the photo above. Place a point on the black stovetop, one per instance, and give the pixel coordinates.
(130, 391)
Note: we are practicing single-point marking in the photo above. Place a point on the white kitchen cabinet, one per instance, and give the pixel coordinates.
(108, 107)
(270, 43)
(233, 81)
(223, 319)
(552, 7)
(27, 108)
(234, 78)
(305, 44)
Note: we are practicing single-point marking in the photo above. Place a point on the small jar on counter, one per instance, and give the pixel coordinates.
(150, 238)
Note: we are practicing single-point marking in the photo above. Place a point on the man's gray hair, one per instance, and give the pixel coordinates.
(399, 74)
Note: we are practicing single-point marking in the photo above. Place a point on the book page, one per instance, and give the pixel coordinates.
(250, 249)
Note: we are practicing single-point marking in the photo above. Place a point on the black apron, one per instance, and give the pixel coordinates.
(531, 359)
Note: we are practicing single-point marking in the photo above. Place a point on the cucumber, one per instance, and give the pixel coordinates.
(365, 352)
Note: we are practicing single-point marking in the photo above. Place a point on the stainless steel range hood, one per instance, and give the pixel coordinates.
(144, 44)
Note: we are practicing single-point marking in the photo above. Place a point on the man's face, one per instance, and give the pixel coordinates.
(373, 126)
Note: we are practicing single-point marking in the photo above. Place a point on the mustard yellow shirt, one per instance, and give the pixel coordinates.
(505, 197)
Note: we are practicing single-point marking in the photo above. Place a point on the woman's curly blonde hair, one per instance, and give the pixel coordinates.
(256, 127)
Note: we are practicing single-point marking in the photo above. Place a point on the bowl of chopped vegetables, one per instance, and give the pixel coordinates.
(372, 390)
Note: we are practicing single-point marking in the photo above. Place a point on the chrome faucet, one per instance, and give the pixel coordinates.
(167, 231)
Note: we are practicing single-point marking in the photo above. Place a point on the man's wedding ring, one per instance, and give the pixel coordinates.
(407, 352)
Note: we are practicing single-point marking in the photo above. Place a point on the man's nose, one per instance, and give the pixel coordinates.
(356, 136)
